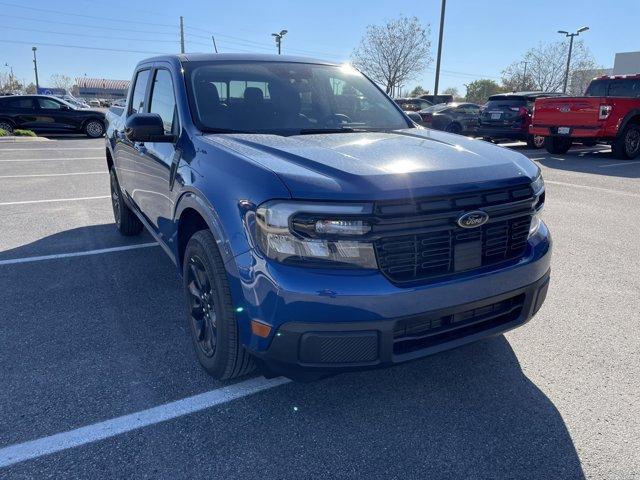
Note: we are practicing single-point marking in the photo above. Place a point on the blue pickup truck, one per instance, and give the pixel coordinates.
(315, 227)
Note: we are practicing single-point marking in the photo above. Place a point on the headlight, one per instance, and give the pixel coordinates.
(315, 234)
(538, 184)
(538, 190)
(535, 224)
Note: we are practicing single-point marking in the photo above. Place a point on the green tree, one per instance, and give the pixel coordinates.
(479, 90)
(453, 91)
(417, 91)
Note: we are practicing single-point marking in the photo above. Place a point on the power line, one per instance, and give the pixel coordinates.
(88, 26)
(86, 35)
(82, 47)
(119, 20)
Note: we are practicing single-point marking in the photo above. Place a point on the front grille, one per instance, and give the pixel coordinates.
(425, 331)
(437, 247)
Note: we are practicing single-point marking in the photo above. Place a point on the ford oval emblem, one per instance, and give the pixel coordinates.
(473, 219)
(565, 108)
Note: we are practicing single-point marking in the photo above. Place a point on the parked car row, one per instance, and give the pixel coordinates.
(49, 114)
(504, 117)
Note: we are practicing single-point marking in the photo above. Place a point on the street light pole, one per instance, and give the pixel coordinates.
(442, 9)
(570, 35)
(35, 68)
(278, 37)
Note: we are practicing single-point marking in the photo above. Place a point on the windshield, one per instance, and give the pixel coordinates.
(287, 99)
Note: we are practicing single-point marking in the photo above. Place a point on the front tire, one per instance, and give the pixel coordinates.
(210, 311)
(627, 144)
(126, 221)
(454, 128)
(557, 145)
(94, 129)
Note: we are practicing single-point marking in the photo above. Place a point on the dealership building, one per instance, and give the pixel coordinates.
(88, 88)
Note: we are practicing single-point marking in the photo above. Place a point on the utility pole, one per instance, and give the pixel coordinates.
(570, 35)
(35, 68)
(181, 34)
(215, 47)
(442, 9)
(278, 37)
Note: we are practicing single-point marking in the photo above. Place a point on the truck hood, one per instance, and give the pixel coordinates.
(381, 165)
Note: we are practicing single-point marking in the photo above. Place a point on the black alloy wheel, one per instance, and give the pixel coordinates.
(202, 307)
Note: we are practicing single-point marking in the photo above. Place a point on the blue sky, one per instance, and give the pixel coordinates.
(481, 36)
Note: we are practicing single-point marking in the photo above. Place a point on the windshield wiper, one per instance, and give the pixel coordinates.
(311, 131)
(225, 130)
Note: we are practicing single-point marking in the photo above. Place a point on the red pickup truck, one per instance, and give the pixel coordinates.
(609, 112)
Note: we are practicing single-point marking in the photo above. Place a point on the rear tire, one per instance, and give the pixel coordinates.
(94, 129)
(535, 141)
(210, 311)
(126, 221)
(627, 144)
(557, 144)
(6, 126)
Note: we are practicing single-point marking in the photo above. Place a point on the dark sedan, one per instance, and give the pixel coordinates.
(45, 114)
(460, 118)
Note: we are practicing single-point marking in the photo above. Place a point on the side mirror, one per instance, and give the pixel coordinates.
(415, 116)
(146, 127)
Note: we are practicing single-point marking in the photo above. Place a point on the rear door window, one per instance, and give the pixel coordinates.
(139, 92)
(627, 87)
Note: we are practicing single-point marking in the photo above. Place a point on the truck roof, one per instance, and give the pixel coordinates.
(613, 77)
(226, 57)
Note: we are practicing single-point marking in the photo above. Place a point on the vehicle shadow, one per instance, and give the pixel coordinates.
(79, 239)
(466, 413)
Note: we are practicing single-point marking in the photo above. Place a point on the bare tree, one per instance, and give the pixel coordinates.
(59, 80)
(9, 83)
(453, 91)
(393, 53)
(543, 67)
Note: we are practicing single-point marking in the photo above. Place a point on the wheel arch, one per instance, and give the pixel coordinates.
(194, 213)
(632, 116)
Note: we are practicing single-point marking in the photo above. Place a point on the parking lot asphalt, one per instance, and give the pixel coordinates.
(97, 365)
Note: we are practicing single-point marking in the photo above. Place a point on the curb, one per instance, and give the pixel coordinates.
(22, 139)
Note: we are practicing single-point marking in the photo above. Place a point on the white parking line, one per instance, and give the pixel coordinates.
(608, 190)
(620, 164)
(13, 261)
(7, 160)
(48, 149)
(25, 202)
(52, 174)
(116, 426)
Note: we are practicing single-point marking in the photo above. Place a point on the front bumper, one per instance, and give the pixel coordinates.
(332, 321)
(302, 349)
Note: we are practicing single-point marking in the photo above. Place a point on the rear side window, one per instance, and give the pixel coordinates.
(18, 103)
(627, 87)
(163, 101)
(139, 90)
(597, 88)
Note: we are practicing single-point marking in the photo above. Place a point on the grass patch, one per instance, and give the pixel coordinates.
(3, 133)
(24, 133)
